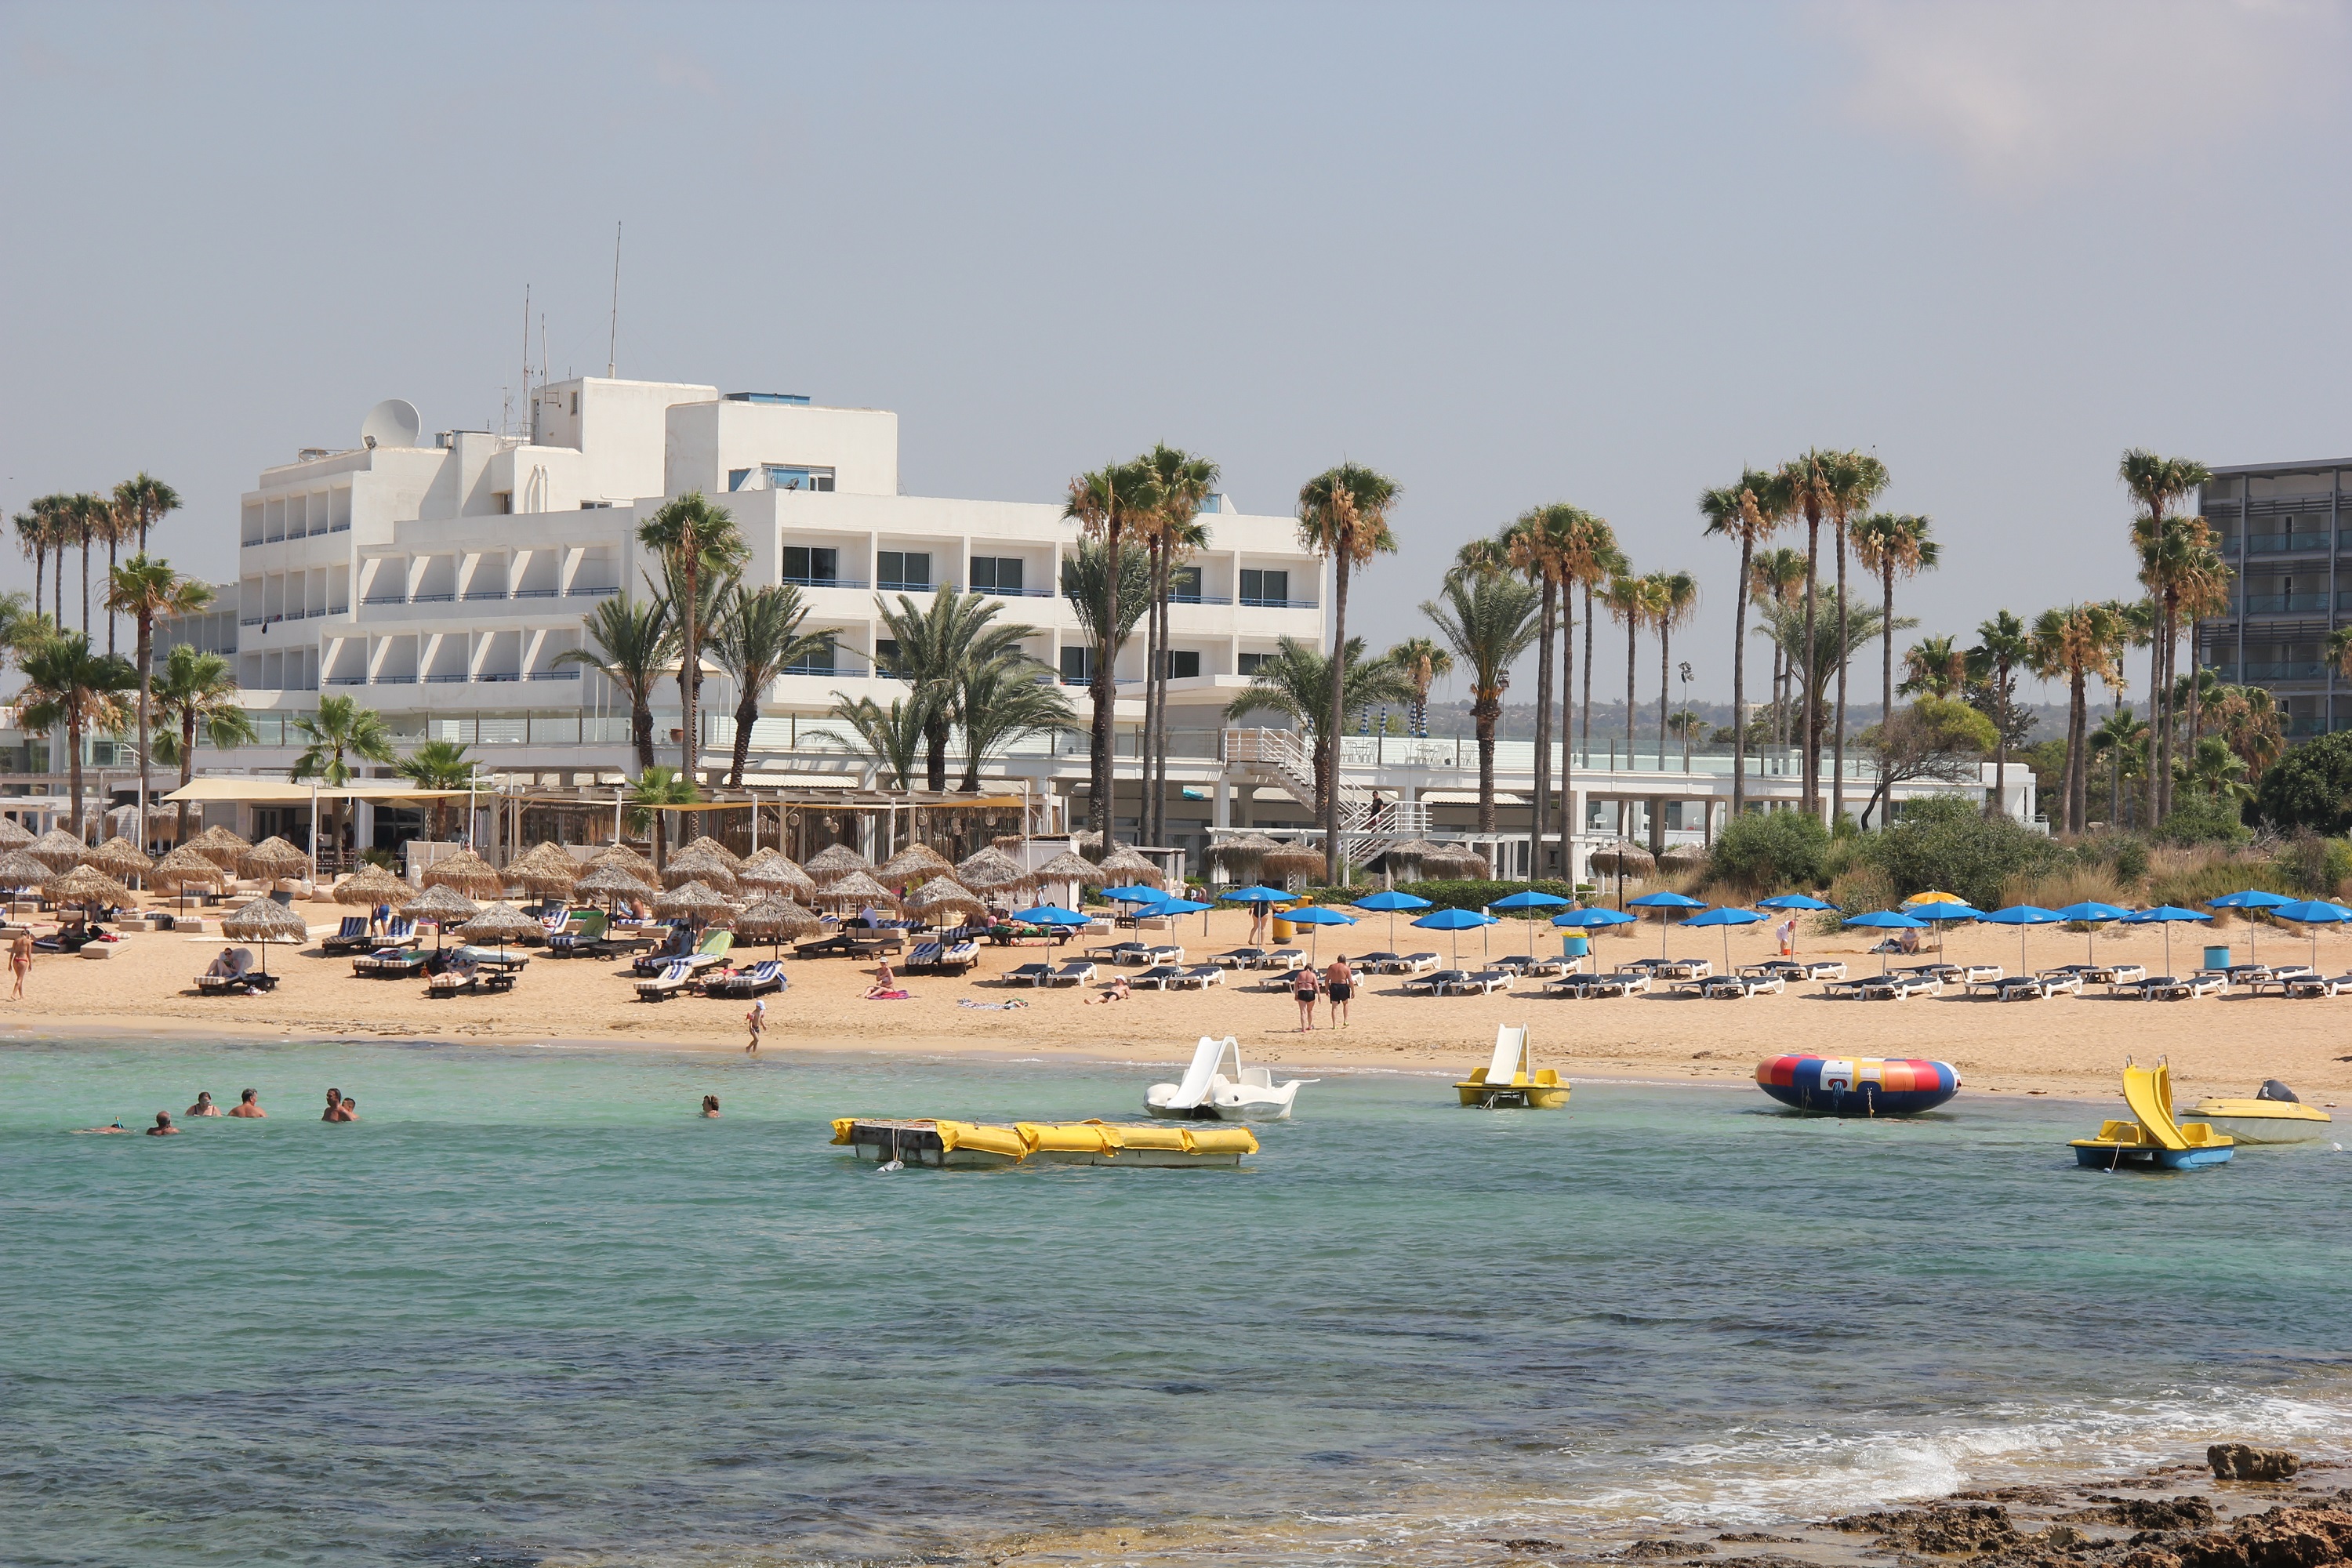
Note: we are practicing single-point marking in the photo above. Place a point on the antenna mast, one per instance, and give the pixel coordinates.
(525, 382)
(612, 344)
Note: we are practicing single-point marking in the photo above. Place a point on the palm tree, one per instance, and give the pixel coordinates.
(2157, 485)
(1892, 544)
(436, 766)
(2247, 720)
(340, 731)
(1777, 577)
(196, 691)
(1295, 679)
(657, 792)
(1005, 699)
(1673, 596)
(1630, 601)
(1806, 482)
(89, 517)
(53, 521)
(2003, 649)
(696, 541)
(2122, 739)
(1592, 558)
(147, 499)
(1105, 505)
(33, 541)
(1180, 484)
(1343, 515)
(116, 521)
(1934, 667)
(1786, 624)
(1856, 479)
(66, 683)
(1532, 545)
(1488, 620)
(144, 589)
(1750, 511)
(2073, 642)
(936, 643)
(756, 640)
(1422, 662)
(892, 736)
(2339, 649)
(634, 643)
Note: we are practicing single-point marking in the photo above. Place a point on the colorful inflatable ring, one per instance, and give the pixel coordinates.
(1867, 1086)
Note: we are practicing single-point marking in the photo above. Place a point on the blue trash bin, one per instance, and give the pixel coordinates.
(2217, 958)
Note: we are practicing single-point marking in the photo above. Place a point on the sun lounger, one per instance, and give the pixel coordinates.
(2028, 987)
(2166, 988)
(1076, 972)
(1165, 952)
(1623, 983)
(1798, 968)
(841, 944)
(1484, 982)
(460, 973)
(1516, 963)
(1159, 976)
(1239, 958)
(1683, 968)
(1121, 952)
(1899, 987)
(1282, 958)
(768, 975)
(392, 962)
(1372, 962)
(2113, 974)
(234, 976)
(349, 938)
(2315, 986)
(2280, 977)
(1028, 975)
(583, 932)
(1549, 963)
(956, 956)
(1436, 982)
(924, 956)
(1201, 974)
(678, 944)
(1980, 973)
(1411, 964)
(1741, 986)
(668, 983)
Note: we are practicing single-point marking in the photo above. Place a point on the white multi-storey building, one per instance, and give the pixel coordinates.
(449, 577)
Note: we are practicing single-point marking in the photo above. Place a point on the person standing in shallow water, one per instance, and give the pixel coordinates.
(335, 1111)
(20, 961)
(248, 1106)
(163, 1128)
(709, 1107)
(756, 1020)
(204, 1105)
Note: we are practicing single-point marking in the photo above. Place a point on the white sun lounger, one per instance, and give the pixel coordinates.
(1435, 981)
(1741, 986)
(1076, 972)
(1412, 963)
(668, 983)
(1029, 974)
(1484, 982)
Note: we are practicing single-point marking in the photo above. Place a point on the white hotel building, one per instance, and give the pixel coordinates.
(440, 578)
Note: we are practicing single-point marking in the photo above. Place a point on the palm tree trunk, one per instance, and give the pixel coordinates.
(1845, 661)
(40, 575)
(1155, 691)
(112, 540)
(1808, 792)
(747, 713)
(1100, 778)
(1486, 766)
(1587, 721)
(85, 586)
(689, 667)
(641, 729)
(1739, 680)
(146, 654)
(1633, 662)
(1569, 826)
(1665, 685)
(1886, 645)
(73, 769)
(2171, 671)
(2078, 726)
(1331, 848)
(1544, 636)
(2000, 741)
(187, 764)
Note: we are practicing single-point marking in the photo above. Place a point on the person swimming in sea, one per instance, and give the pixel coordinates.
(163, 1128)
(350, 1108)
(204, 1105)
(710, 1106)
(248, 1105)
(114, 1126)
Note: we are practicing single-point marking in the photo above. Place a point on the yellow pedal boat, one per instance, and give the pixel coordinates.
(941, 1143)
(2273, 1115)
(1505, 1083)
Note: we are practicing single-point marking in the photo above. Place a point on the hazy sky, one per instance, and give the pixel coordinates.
(1603, 254)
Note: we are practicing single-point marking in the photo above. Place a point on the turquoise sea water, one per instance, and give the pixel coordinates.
(532, 1310)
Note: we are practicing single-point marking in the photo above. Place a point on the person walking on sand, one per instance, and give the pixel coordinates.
(757, 1019)
(248, 1106)
(1302, 990)
(1339, 984)
(204, 1105)
(20, 961)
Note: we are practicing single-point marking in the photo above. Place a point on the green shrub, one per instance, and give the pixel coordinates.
(1947, 843)
(1771, 851)
(2131, 858)
(1862, 890)
(2309, 788)
(2314, 867)
(2199, 818)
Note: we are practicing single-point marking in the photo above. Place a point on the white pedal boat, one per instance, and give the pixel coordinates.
(1208, 1094)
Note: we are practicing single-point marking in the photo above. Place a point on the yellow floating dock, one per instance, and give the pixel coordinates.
(940, 1144)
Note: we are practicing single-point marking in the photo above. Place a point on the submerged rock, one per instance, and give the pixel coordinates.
(1650, 1550)
(2239, 1462)
(2279, 1538)
(1970, 1528)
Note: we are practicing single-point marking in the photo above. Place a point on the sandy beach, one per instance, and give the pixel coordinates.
(2070, 1046)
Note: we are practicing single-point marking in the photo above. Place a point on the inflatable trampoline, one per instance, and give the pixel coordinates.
(1865, 1086)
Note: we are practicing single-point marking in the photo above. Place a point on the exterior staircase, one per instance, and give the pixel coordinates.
(1367, 823)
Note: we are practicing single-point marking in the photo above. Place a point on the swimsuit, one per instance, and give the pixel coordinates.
(1341, 990)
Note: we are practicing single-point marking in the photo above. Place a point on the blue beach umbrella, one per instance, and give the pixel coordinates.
(1457, 921)
(1388, 901)
(1316, 915)
(1255, 895)
(1050, 915)
(1791, 902)
(1592, 919)
(2253, 898)
(2091, 914)
(1133, 895)
(1530, 900)
(1944, 913)
(1887, 919)
(2169, 915)
(1726, 919)
(1664, 901)
(1171, 908)
(2020, 916)
(2313, 913)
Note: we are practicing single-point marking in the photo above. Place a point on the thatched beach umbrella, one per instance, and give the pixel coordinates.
(58, 850)
(991, 870)
(727, 858)
(776, 921)
(1066, 867)
(445, 907)
(118, 856)
(468, 873)
(20, 870)
(182, 869)
(914, 863)
(221, 847)
(614, 882)
(699, 864)
(544, 869)
(88, 887)
(941, 895)
(370, 886)
(856, 887)
(1241, 855)
(265, 921)
(503, 923)
(1287, 860)
(694, 901)
(1126, 866)
(628, 860)
(1624, 856)
(773, 871)
(1683, 856)
(14, 834)
(1452, 860)
(273, 857)
(834, 862)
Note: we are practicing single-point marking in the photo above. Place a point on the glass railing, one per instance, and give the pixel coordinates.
(2274, 543)
(2283, 604)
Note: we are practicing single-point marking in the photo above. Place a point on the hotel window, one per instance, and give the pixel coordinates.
(1183, 663)
(784, 477)
(996, 573)
(1078, 663)
(810, 566)
(1184, 584)
(817, 661)
(905, 570)
(1266, 587)
(1249, 663)
(886, 656)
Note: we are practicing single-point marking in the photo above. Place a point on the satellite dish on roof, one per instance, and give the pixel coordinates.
(392, 423)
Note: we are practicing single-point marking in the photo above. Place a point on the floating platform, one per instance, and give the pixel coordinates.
(945, 1145)
(1860, 1086)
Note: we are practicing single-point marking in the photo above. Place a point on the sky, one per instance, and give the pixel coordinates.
(1508, 255)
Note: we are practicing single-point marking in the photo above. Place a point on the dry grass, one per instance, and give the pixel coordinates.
(2071, 885)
